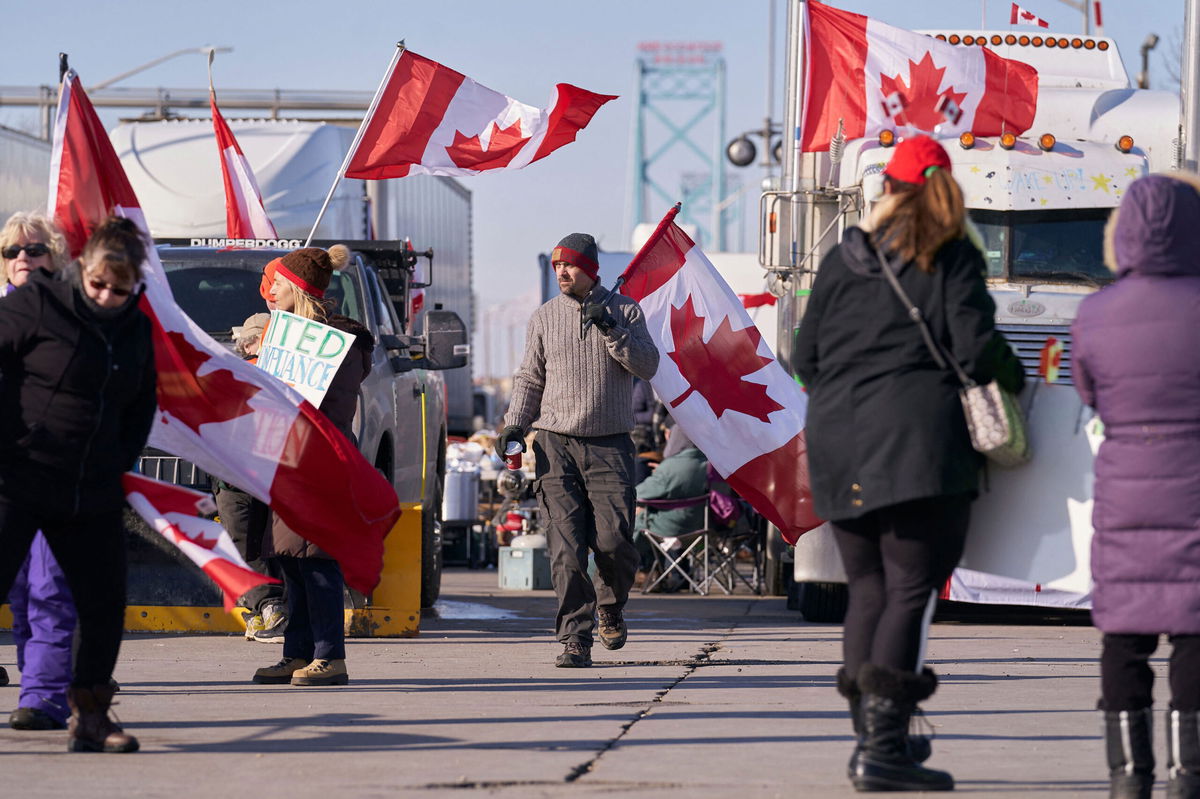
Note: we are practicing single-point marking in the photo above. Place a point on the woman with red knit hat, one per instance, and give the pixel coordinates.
(890, 458)
(314, 647)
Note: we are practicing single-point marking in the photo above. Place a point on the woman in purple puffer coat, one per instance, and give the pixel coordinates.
(1136, 361)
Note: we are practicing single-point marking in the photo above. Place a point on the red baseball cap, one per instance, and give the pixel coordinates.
(915, 157)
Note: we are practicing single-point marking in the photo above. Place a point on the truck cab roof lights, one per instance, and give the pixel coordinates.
(887, 137)
(1076, 43)
(1125, 144)
(1089, 44)
(954, 38)
(1046, 142)
(1102, 45)
(1008, 141)
(1010, 39)
(1023, 41)
(966, 140)
(1037, 41)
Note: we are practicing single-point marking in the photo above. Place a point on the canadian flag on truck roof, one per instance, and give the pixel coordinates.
(245, 215)
(1023, 16)
(231, 419)
(720, 380)
(854, 63)
(427, 118)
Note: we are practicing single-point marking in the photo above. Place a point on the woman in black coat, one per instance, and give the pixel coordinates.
(890, 458)
(77, 398)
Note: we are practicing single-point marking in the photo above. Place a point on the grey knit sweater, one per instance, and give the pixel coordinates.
(581, 388)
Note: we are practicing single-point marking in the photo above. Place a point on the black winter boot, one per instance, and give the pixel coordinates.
(1129, 746)
(920, 745)
(1183, 754)
(889, 698)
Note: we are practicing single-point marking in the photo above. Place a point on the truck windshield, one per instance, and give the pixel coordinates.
(1059, 246)
(220, 290)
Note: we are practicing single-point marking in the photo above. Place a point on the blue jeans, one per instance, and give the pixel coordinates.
(316, 622)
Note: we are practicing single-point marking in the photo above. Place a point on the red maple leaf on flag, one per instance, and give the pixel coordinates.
(199, 539)
(715, 368)
(922, 96)
(193, 399)
(503, 145)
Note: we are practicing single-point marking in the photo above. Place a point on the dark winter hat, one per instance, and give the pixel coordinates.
(311, 268)
(579, 249)
(915, 158)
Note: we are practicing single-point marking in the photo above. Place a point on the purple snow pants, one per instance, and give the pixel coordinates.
(43, 629)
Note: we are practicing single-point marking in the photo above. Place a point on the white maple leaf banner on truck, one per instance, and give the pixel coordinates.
(720, 380)
(232, 420)
(855, 64)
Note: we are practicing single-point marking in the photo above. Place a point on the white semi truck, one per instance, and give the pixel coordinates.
(1040, 200)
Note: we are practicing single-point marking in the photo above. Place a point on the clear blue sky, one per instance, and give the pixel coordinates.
(519, 48)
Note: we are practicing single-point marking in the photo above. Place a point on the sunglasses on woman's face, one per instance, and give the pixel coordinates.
(32, 250)
(100, 285)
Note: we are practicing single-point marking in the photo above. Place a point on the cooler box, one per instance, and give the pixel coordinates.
(525, 569)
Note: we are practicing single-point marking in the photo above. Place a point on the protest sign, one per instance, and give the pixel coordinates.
(303, 353)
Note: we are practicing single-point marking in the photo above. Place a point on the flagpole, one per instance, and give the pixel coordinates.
(357, 138)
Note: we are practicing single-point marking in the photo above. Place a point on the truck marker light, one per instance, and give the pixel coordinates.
(1090, 44)
(968, 40)
(941, 37)
(997, 40)
(1102, 45)
(1125, 144)
(1063, 43)
(1023, 41)
(1046, 141)
(966, 140)
(1077, 43)
(1037, 41)
(1008, 141)
(887, 137)
(1051, 41)
(772, 221)
(954, 38)
(1010, 39)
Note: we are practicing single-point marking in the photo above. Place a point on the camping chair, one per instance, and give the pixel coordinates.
(682, 562)
(745, 539)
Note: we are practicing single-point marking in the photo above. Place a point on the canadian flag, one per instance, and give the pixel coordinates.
(430, 119)
(720, 380)
(245, 216)
(178, 514)
(231, 419)
(855, 63)
(1020, 16)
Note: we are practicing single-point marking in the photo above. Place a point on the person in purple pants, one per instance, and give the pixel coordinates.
(43, 610)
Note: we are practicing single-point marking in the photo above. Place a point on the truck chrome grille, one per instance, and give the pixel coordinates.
(1028, 340)
(171, 469)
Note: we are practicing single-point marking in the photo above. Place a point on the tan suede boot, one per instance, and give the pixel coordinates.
(280, 673)
(322, 672)
(90, 729)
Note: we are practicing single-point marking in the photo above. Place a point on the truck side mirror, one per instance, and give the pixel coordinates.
(446, 344)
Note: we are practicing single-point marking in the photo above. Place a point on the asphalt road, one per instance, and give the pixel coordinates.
(712, 697)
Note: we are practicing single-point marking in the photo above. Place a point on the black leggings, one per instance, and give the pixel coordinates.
(1127, 683)
(90, 550)
(896, 558)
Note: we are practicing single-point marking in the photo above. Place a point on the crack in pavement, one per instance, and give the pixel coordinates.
(701, 658)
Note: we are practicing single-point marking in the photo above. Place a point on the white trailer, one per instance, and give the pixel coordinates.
(1040, 201)
(23, 185)
(174, 169)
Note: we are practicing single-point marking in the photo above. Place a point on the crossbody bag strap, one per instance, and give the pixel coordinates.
(943, 358)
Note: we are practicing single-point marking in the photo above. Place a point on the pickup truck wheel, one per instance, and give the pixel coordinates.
(431, 548)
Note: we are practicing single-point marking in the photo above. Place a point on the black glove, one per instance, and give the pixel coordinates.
(598, 315)
(510, 433)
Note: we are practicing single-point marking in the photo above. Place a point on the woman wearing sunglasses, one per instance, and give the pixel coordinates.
(42, 608)
(76, 404)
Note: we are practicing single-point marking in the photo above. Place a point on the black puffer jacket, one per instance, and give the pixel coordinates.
(338, 405)
(77, 398)
(885, 424)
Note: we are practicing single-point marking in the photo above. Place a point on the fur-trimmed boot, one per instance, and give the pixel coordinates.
(1183, 754)
(90, 729)
(920, 745)
(884, 761)
(1129, 746)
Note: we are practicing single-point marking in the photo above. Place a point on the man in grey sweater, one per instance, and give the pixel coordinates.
(575, 387)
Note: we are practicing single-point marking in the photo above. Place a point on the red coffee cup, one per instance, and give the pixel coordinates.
(512, 455)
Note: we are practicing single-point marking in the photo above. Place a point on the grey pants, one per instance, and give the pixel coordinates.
(585, 489)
